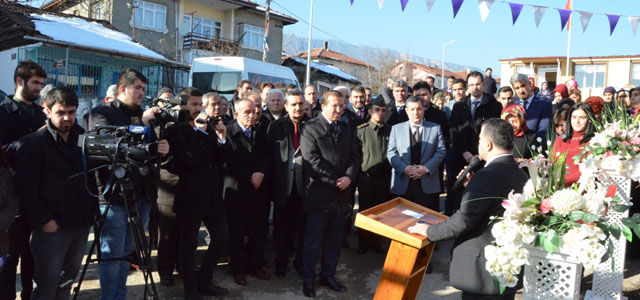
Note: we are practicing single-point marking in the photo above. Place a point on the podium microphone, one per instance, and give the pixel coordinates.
(474, 165)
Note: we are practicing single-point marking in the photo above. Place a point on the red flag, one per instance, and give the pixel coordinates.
(568, 7)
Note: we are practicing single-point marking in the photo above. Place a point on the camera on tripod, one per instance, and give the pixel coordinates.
(168, 114)
(118, 144)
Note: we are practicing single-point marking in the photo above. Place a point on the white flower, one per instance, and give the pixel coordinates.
(595, 199)
(565, 201)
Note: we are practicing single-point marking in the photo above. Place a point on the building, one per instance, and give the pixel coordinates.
(593, 74)
(325, 56)
(80, 53)
(412, 72)
(324, 77)
(184, 30)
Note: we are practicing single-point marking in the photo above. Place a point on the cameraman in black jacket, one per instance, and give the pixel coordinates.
(116, 240)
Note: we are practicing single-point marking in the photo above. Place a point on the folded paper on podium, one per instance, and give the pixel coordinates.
(409, 253)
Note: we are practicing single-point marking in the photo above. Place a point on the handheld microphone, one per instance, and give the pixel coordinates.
(474, 165)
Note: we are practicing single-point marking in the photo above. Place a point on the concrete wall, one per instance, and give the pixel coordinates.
(275, 35)
(9, 59)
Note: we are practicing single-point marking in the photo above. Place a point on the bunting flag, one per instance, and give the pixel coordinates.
(456, 6)
(484, 6)
(429, 5)
(564, 17)
(516, 8)
(585, 17)
(538, 12)
(403, 3)
(634, 24)
(613, 21)
(380, 2)
(569, 6)
(352, 2)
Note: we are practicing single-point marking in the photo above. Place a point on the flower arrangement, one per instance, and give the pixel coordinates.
(571, 220)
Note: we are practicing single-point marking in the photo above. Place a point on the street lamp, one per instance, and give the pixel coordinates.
(442, 78)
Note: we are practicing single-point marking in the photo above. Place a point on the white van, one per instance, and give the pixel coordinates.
(221, 74)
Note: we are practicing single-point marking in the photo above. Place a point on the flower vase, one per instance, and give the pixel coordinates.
(552, 276)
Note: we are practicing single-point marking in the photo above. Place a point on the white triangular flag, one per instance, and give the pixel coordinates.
(484, 6)
(430, 5)
(585, 17)
(538, 12)
(380, 2)
(634, 23)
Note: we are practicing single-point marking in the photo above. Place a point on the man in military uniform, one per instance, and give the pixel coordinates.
(373, 181)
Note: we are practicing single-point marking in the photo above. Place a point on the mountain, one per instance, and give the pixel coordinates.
(292, 44)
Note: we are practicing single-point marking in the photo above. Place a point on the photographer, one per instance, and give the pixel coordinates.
(212, 103)
(59, 209)
(197, 157)
(116, 240)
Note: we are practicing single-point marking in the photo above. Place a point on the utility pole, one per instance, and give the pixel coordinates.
(308, 76)
(265, 44)
(133, 7)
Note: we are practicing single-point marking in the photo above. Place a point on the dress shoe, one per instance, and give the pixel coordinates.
(166, 280)
(240, 279)
(309, 290)
(212, 289)
(332, 283)
(261, 274)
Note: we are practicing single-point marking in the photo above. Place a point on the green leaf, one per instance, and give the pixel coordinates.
(628, 222)
(550, 221)
(621, 208)
(589, 218)
(550, 241)
(615, 230)
(576, 215)
(636, 217)
(627, 233)
(530, 202)
(496, 282)
(636, 230)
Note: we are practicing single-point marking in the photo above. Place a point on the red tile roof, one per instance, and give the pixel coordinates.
(434, 70)
(330, 54)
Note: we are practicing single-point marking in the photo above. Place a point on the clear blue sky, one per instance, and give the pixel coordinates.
(477, 44)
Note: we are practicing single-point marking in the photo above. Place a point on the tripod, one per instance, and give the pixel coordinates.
(142, 250)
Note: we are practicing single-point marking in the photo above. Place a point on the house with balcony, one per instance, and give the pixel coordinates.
(184, 30)
(593, 73)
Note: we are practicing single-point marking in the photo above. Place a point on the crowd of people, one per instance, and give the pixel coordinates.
(229, 163)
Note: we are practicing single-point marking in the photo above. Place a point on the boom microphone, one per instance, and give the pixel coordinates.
(474, 165)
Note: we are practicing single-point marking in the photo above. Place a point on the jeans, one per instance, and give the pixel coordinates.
(58, 257)
(116, 241)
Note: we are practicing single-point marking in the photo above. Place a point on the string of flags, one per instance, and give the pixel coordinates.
(484, 6)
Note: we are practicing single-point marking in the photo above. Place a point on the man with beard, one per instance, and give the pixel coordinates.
(283, 137)
(538, 111)
(59, 209)
(19, 116)
(196, 155)
(358, 113)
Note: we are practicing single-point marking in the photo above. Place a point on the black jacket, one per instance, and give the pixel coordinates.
(354, 120)
(392, 116)
(15, 123)
(490, 86)
(470, 225)
(119, 114)
(465, 129)
(284, 159)
(44, 163)
(266, 114)
(327, 156)
(245, 158)
(8, 201)
(197, 159)
(433, 114)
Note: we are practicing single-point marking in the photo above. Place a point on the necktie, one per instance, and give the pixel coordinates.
(247, 133)
(334, 127)
(416, 133)
(295, 139)
(474, 106)
(400, 108)
(360, 114)
(525, 103)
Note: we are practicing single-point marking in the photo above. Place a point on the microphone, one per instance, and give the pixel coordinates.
(474, 165)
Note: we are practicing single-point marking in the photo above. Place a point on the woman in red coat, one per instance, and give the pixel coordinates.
(579, 131)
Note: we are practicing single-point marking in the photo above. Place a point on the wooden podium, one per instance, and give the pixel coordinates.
(409, 254)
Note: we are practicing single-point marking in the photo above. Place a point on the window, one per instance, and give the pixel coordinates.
(97, 10)
(150, 15)
(590, 76)
(635, 74)
(203, 27)
(220, 82)
(253, 37)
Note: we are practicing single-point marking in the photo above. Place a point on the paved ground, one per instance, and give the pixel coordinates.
(360, 273)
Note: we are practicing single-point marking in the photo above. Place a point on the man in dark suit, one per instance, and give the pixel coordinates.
(275, 105)
(196, 159)
(464, 126)
(395, 110)
(357, 113)
(490, 86)
(248, 210)
(283, 137)
(470, 226)
(330, 163)
(212, 103)
(538, 110)
(416, 150)
(311, 95)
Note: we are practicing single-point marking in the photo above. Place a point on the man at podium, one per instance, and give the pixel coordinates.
(481, 200)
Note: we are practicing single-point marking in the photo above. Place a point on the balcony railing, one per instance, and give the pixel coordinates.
(197, 41)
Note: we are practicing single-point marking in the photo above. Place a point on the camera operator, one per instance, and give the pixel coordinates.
(20, 114)
(116, 240)
(197, 159)
(60, 211)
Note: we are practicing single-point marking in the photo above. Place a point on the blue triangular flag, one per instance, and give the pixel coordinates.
(516, 8)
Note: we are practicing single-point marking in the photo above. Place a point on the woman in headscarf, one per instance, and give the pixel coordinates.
(596, 104)
(578, 132)
(534, 88)
(559, 93)
(525, 139)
